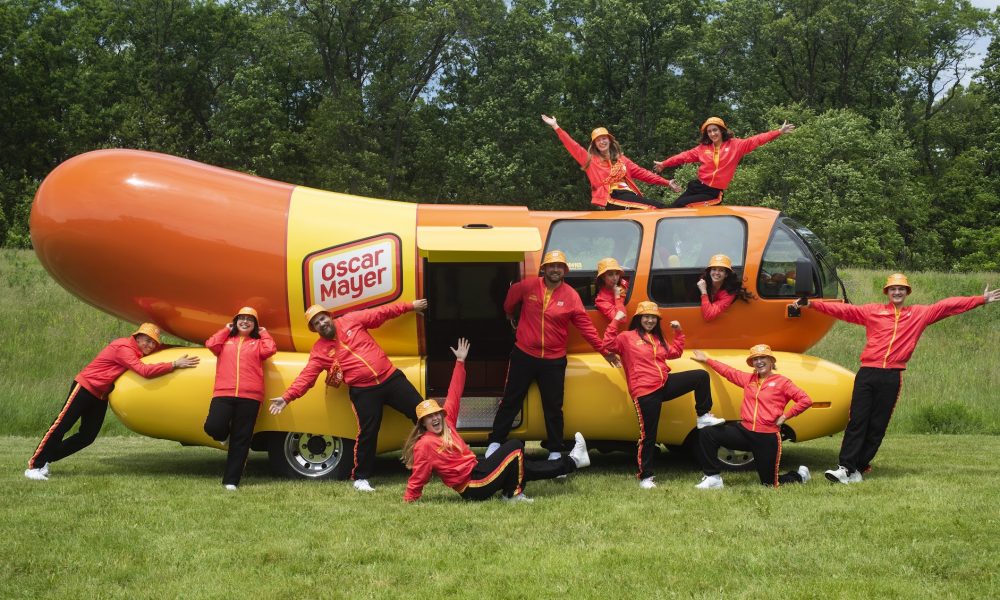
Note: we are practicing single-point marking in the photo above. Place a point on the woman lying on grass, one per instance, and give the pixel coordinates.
(434, 446)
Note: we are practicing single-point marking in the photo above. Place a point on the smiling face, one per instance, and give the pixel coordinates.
(245, 325)
(323, 325)
(718, 275)
(897, 294)
(146, 344)
(714, 133)
(762, 365)
(434, 422)
(602, 143)
(554, 273)
(648, 322)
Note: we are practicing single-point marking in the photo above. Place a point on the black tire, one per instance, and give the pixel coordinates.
(732, 460)
(310, 456)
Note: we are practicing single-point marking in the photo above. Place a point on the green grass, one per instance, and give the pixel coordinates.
(132, 517)
(47, 336)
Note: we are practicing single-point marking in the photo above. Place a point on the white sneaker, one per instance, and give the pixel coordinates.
(647, 483)
(35, 474)
(45, 469)
(519, 498)
(838, 475)
(804, 473)
(230, 487)
(491, 449)
(710, 482)
(579, 452)
(855, 477)
(709, 420)
(362, 485)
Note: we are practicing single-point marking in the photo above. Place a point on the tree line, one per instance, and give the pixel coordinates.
(895, 162)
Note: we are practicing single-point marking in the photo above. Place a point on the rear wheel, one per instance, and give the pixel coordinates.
(309, 456)
(732, 460)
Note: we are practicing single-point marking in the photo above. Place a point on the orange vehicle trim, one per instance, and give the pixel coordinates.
(895, 326)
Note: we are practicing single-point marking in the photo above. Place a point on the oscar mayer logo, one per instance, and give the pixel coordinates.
(354, 275)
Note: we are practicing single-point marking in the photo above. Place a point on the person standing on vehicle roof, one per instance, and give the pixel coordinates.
(718, 154)
(609, 171)
(547, 307)
(720, 286)
(892, 331)
(435, 446)
(241, 346)
(765, 398)
(351, 355)
(644, 354)
(88, 395)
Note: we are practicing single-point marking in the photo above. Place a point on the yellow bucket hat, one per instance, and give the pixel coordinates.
(555, 256)
(248, 310)
(150, 330)
(427, 407)
(598, 132)
(760, 350)
(647, 308)
(713, 121)
(608, 264)
(896, 279)
(720, 260)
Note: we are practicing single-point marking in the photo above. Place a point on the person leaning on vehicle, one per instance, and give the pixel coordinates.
(547, 307)
(88, 395)
(892, 332)
(351, 355)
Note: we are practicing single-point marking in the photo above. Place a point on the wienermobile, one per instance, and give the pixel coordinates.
(151, 237)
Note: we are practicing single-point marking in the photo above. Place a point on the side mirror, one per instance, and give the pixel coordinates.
(803, 284)
(803, 277)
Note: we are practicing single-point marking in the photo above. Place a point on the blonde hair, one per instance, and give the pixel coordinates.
(418, 431)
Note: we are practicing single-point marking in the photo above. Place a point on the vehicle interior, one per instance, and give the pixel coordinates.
(466, 300)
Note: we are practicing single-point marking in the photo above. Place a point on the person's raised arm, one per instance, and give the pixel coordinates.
(268, 347)
(733, 375)
(457, 386)
(218, 340)
(676, 347)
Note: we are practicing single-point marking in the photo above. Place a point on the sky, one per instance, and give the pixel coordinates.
(983, 43)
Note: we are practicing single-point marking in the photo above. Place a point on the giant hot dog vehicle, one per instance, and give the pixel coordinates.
(151, 237)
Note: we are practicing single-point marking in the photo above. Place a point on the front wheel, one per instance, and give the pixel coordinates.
(310, 456)
(732, 460)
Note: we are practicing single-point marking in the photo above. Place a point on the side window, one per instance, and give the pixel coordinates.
(826, 271)
(777, 267)
(586, 242)
(682, 249)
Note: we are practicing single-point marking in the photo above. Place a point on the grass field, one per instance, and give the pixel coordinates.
(132, 517)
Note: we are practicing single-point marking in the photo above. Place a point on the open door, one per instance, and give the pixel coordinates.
(467, 271)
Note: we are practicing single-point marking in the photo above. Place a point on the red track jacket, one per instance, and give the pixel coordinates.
(604, 176)
(892, 336)
(123, 354)
(453, 465)
(606, 302)
(643, 357)
(239, 370)
(713, 310)
(361, 359)
(717, 170)
(543, 333)
(764, 403)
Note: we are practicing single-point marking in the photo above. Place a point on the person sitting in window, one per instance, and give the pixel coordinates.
(720, 286)
(611, 288)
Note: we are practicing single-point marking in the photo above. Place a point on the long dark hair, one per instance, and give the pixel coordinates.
(614, 151)
(255, 334)
(725, 135)
(731, 284)
(636, 325)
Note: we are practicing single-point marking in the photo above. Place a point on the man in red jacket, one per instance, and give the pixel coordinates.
(547, 307)
(349, 354)
(88, 395)
(892, 333)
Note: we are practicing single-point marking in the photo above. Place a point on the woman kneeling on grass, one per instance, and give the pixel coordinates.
(435, 446)
(765, 396)
(241, 347)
